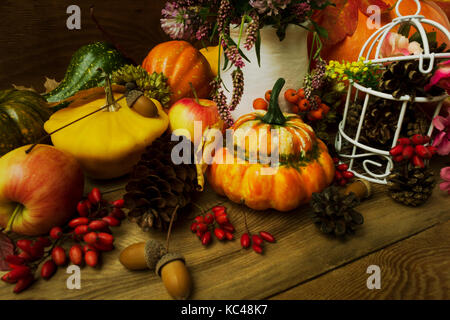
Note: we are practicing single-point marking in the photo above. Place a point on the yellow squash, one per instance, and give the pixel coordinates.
(110, 142)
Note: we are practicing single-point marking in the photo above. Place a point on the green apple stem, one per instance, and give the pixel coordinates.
(194, 92)
(17, 211)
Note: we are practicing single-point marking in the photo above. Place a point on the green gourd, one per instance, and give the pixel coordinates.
(22, 117)
(83, 71)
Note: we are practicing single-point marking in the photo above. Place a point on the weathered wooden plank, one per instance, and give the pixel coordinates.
(35, 41)
(224, 270)
(416, 268)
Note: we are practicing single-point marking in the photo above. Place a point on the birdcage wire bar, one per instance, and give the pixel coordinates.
(354, 89)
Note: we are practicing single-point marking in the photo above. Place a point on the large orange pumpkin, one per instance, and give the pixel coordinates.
(349, 48)
(182, 64)
(303, 165)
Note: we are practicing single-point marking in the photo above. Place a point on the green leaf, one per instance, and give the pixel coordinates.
(213, 33)
(404, 29)
(321, 31)
(431, 36)
(258, 47)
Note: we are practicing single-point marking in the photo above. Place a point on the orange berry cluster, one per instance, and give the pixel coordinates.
(303, 105)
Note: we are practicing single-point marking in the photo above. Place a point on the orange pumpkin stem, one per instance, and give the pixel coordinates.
(274, 114)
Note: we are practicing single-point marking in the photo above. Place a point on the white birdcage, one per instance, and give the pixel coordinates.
(360, 155)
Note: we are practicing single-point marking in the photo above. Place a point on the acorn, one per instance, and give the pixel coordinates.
(361, 188)
(170, 266)
(138, 102)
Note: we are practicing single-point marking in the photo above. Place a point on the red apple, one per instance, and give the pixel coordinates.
(38, 190)
(184, 112)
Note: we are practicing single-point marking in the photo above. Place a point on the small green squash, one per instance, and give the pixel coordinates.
(83, 70)
(22, 117)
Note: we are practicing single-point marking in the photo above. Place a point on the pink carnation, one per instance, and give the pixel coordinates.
(442, 139)
(445, 175)
(441, 77)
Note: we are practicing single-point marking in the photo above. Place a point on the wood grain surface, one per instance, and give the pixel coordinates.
(35, 42)
(225, 271)
(416, 268)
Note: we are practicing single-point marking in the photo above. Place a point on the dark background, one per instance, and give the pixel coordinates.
(35, 42)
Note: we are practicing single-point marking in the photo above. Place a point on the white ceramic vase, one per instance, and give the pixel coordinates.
(287, 59)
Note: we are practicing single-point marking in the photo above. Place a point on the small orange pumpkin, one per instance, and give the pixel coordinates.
(182, 64)
(303, 167)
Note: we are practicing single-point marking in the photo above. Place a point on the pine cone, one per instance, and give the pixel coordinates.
(152, 85)
(418, 123)
(158, 186)
(333, 212)
(404, 77)
(413, 187)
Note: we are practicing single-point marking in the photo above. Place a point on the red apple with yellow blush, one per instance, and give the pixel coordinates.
(184, 113)
(39, 189)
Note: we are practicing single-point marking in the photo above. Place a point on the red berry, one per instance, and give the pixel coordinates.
(17, 273)
(24, 245)
(81, 230)
(404, 141)
(398, 158)
(83, 209)
(222, 219)
(206, 238)
(37, 250)
(25, 256)
(15, 259)
(48, 269)
(245, 240)
(432, 150)
(257, 240)
(88, 247)
(257, 248)
(6, 279)
(199, 233)
(202, 227)
(219, 233)
(23, 284)
(209, 218)
(44, 241)
(95, 196)
(396, 151)
(104, 247)
(342, 167)
(423, 152)
(91, 258)
(336, 160)
(266, 236)
(418, 162)
(118, 214)
(408, 152)
(78, 222)
(97, 225)
(419, 139)
(56, 233)
(343, 182)
(227, 227)
(194, 226)
(348, 175)
(90, 238)
(228, 235)
(105, 238)
(338, 175)
(76, 254)
(199, 219)
(218, 209)
(111, 221)
(119, 203)
(59, 256)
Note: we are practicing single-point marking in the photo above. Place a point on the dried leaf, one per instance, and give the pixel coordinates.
(340, 20)
(50, 84)
(6, 249)
(24, 88)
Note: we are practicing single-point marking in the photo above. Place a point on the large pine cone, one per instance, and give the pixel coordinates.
(413, 187)
(158, 186)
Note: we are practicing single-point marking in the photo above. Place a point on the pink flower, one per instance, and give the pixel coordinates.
(442, 139)
(445, 175)
(441, 77)
(397, 45)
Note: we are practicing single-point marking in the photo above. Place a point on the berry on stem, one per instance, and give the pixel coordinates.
(56, 233)
(48, 269)
(91, 258)
(257, 240)
(219, 233)
(95, 196)
(59, 256)
(266, 236)
(257, 248)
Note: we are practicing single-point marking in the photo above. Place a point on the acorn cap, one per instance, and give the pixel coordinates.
(154, 250)
(169, 257)
(132, 97)
(368, 185)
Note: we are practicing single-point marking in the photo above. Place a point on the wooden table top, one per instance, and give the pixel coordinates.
(411, 246)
